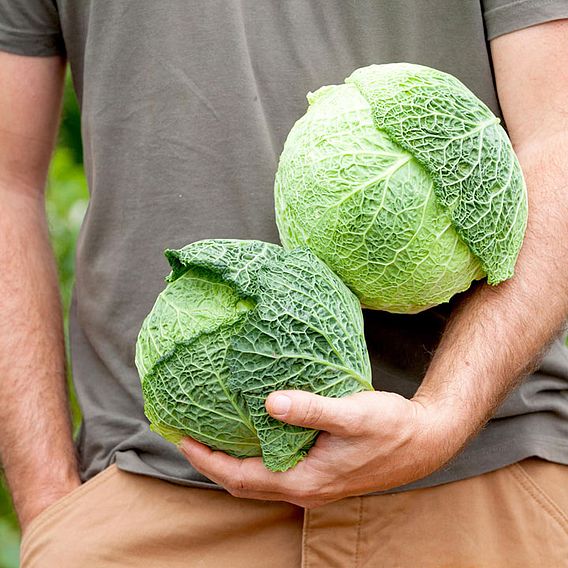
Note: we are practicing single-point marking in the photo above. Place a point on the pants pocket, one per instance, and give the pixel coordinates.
(545, 483)
(51, 514)
(134, 521)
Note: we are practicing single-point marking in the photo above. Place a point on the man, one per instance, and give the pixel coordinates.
(185, 107)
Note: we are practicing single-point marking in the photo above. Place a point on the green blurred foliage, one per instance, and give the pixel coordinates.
(66, 203)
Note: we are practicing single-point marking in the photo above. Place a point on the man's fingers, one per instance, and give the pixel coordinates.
(249, 478)
(241, 477)
(341, 416)
(217, 466)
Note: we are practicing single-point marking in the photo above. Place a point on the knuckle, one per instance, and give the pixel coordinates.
(235, 489)
(236, 486)
(235, 492)
(313, 412)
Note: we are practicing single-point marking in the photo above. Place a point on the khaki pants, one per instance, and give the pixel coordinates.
(514, 517)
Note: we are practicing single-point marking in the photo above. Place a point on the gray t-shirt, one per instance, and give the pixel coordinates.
(185, 108)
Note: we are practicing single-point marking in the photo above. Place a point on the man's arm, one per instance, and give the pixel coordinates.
(36, 447)
(499, 332)
(374, 441)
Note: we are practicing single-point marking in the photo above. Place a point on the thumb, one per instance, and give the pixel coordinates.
(301, 408)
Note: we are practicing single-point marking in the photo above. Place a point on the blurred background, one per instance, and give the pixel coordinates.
(67, 199)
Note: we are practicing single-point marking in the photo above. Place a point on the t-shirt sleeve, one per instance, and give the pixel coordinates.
(505, 16)
(30, 27)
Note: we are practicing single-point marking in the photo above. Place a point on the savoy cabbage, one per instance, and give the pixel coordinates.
(405, 184)
(236, 321)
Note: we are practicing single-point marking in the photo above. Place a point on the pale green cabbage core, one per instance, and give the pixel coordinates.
(404, 184)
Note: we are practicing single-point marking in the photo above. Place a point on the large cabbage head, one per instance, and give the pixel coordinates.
(236, 321)
(405, 184)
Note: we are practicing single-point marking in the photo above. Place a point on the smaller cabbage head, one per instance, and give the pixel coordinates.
(237, 321)
(405, 184)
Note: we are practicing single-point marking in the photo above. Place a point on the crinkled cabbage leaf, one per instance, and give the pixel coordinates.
(405, 184)
(237, 321)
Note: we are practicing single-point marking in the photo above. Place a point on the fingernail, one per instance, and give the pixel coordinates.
(280, 404)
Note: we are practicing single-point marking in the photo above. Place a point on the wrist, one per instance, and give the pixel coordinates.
(34, 497)
(447, 424)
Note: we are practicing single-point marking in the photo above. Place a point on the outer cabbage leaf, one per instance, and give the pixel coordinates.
(180, 356)
(460, 143)
(238, 320)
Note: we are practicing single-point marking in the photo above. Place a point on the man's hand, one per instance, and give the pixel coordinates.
(370, 441)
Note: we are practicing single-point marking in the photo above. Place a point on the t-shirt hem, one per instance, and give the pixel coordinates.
(486, 460)
(131, 463)
(465, 466)
(520, 14)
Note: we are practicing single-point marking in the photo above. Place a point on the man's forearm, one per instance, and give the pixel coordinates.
(36, 446)
(498, 333)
